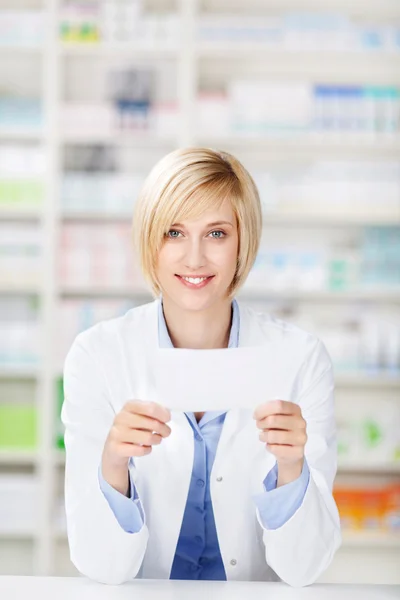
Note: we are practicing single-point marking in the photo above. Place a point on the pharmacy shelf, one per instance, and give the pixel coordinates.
(18, 134)
(370, 540)
(18, 535)
(333, 220)
(18, 372)
(128, 138)
(373, 295)
(19, 457)
(60, 535)
(21, 48)
(336, 64)
(130, 49)
(330, 221)
(382, 296)
(356, 468)
(378, 381)
(87, 217)
(17, 289)
(370, 468)
(307, 143)
(21, 215)
(104, 292)
(317, 64)
(31, 457)
(386, 9)
(59, 458)
(233, 49)
(271, 219)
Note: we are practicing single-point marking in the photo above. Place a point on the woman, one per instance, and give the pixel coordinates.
(157, 494)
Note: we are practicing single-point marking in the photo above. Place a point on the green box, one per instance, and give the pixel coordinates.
(18, 426)
(338, 274)
(59, 436)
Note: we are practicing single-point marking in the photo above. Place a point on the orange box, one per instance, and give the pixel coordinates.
(348, 501)
(361, 508)
(373, 508)
(391, 519)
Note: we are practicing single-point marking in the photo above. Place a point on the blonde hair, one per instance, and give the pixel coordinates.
(184, 184)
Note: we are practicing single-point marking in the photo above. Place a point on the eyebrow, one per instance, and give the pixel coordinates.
(215, 224)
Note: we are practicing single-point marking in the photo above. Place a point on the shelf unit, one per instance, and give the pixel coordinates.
(188, 57)
(344, 380)
(373, 295)
(389, 296)
(117, 49)
(21, 135)
(371, 540)
(18, 457)
(31, 457)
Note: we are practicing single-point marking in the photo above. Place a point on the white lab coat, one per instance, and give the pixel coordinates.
(106, 367)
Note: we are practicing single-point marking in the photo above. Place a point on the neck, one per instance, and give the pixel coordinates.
(203, 329)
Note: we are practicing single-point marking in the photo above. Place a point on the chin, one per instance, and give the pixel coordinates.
(192, 300)
(188, 302)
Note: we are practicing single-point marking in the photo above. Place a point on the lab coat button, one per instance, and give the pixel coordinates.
(219, 478)
(233, 562)
(200, 483)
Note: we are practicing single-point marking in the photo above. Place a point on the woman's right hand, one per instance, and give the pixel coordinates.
(136, 428)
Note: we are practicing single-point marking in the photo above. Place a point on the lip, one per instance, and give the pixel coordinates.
(193, 276)
(195, 286)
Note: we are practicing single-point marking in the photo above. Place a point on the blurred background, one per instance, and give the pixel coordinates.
(306, 93)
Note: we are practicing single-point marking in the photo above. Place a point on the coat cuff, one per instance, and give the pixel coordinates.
(277, 505)
(127, 511)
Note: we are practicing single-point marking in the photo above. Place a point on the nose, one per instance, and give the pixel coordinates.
(194, 256)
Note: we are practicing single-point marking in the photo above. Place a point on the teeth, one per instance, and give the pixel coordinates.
(195, 280)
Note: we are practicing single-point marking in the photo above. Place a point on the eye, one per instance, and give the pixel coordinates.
(218, 237)
(172, 231)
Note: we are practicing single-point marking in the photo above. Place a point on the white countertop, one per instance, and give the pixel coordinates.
(80, 588)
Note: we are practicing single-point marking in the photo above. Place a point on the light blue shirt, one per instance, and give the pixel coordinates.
(197, 553)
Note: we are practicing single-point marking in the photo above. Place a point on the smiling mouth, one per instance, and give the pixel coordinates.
(195, 281)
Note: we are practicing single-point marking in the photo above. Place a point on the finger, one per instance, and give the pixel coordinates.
(276, 407)
(284, 453)
(286, 438)
(135, 450)
(276, 437)
(146, 423)
(145, 438)
(287, 422)
(149, 409)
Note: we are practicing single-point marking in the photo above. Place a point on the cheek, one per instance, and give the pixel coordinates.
(167, 255)
(227, 255)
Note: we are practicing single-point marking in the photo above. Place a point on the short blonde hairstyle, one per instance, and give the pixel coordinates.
(184, 184)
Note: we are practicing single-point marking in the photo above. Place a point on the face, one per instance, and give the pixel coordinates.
(197, 261)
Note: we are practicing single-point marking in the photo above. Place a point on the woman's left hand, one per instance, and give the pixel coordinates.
(283, 430)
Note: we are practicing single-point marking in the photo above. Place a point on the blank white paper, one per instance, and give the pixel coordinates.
(206, 380)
